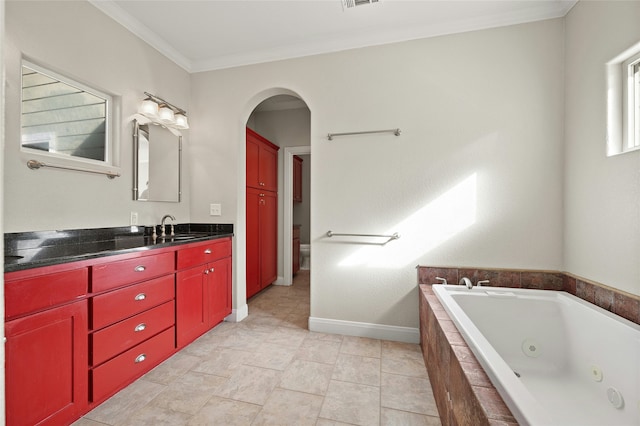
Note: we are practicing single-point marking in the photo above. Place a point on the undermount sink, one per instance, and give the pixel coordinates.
(12, 257)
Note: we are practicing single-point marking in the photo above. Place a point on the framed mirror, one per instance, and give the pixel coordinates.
(63, 118)
(157, 163)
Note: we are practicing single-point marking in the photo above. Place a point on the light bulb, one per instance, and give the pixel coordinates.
(148, 108)
(181, 121)
(166, 115)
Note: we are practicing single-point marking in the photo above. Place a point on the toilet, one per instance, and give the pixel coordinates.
(305, 256)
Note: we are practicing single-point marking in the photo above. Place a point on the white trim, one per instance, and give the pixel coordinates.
(239, 314)
(363, 329)
(280, 281)
(287, 224)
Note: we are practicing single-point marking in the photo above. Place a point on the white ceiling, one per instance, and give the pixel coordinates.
(204, 35)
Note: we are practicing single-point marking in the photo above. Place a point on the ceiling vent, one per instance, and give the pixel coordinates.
(348, 4)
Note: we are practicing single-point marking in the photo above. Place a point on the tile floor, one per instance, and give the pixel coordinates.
(270, 370)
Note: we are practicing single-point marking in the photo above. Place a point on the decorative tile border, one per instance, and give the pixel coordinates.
(620, 303)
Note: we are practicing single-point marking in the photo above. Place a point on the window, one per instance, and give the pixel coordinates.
(623, 102)
(64, 119)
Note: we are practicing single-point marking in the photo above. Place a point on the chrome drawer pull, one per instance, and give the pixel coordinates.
(139, 268)
(212, 270)
(140, 358)
(140, 327)
(140, 296)
(206, 271)
(207, 251)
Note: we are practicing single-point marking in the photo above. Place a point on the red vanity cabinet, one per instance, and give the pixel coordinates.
(46, 346)
(203, 288)
(132, 325)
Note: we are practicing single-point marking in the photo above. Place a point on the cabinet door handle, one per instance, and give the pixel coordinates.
(206, 272)
(140, 296)
(207, 251)
(140, 358)
(140, 327)
(212, 270)
(139, 268)
(262, 195)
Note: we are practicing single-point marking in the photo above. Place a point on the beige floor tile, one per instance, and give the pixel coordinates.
(222, 411)
(296, 321)
(134, 397)
(327, 422)
(244, 339)
(407, 394)
(313, 335)
(361, 346)
(86, 422)
(319, 351)
(287, 337)
(389, 417)
(400, 350)
(250, 384)
(357, 369)
(172, 368)
(286, 407)
(307, 376)
(189, 393)
(222, 362)
(270, 355)
(404, 366)
(157, 416)
(352, 403)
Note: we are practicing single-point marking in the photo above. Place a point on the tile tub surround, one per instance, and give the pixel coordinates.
(620, 303)
(463, 392)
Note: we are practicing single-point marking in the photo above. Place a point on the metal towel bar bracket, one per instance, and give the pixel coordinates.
(392, 237)
(34, 165)
(396, 132)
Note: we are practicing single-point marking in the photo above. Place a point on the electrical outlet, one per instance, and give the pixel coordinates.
(134, 218)
(215, 209)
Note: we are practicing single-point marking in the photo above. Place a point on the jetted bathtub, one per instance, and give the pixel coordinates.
(554, 358)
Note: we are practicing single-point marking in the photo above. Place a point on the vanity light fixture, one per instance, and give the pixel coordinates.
(162, 112)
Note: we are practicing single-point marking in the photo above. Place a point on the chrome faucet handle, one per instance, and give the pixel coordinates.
(174, 233)
(479, 283)
(444, 280)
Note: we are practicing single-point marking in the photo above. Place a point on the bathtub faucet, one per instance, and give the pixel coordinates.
(466, 281)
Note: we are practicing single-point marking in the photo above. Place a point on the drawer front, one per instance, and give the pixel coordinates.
(121, 336)
(38, 293)
(119, 304)
(199, 253)
(120, 371)
(116, 274)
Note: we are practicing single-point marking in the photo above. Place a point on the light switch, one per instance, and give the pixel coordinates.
(215, 209)
(134, 218)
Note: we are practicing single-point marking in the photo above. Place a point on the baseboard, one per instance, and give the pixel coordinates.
(239, 314)
(280, 281)
(363, 329)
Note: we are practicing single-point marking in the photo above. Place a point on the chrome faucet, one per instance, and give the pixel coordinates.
(466, 281)
(163, 225)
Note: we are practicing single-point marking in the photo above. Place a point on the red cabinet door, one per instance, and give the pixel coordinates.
(219, 294)
(253, 241)
(191, 304)
(268, 238)
(46, 366)
(262, 162)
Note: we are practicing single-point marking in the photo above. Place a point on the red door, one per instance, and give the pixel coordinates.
(191, 310)
(268, 238)
(253, 155)
(253, 241)
(46, 366)
(219, 278)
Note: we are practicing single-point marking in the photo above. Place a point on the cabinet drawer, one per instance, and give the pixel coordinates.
(121, 336)
(200, 253)
(38, 293)
(115, 274)
(120, 371)
(116, 305)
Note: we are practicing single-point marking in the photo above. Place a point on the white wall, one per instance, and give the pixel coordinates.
(2, 148)
(487, 104)
(80, 41)
(602, 194)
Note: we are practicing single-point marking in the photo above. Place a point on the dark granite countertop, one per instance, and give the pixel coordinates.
(26, 250)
